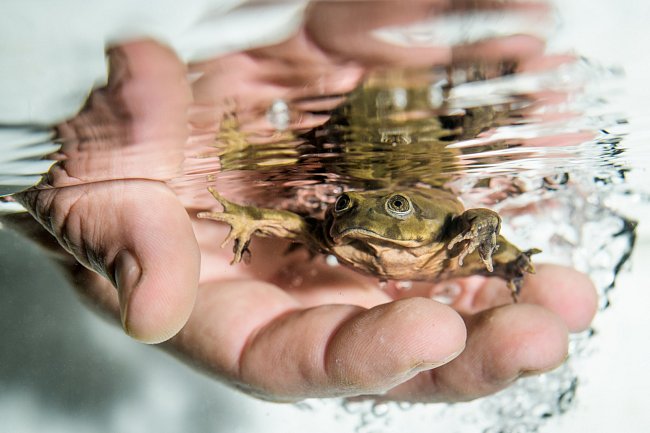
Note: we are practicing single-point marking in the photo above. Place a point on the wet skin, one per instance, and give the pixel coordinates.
(411, 234)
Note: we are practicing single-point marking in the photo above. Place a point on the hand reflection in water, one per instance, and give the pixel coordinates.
(333, 333)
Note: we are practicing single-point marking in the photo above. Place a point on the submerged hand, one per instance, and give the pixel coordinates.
(287, 328)
(332, 333)
(313, 331)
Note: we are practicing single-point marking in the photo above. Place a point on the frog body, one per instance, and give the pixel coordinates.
(413, 234)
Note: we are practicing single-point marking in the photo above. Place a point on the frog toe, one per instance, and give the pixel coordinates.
(518, 268)
(241, 251)
(487, 246)
(467, 249)
(524, 262)
(232, 220)
(241, 231)
(487, 261)
(240, 235)
(484, 226)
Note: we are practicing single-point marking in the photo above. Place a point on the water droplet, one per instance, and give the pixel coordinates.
(437, 94)
(278, 115)
(352, 407)
(542, 410)
(331, 260)
(303, 405)
(447, 293)
(380, 409)
(566, 398)
(400, 98)
(405, 405)
(404, 285)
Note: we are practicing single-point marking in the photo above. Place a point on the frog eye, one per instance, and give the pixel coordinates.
(398, 205)
(343, 203)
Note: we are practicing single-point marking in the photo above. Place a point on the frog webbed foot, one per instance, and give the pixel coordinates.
(517, 268)
(241, 232)
(242, 226)
(479, 231)
(246, 221)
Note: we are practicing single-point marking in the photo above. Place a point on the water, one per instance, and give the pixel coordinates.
(536, 135)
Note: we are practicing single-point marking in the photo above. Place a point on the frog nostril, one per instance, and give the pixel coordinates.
(343, 203)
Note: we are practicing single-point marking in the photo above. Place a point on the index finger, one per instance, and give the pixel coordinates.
(263, 340)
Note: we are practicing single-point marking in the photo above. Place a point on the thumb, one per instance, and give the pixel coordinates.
(135, 233)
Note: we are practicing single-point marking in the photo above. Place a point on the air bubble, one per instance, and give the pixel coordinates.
(278, 115)
(542, 410)
(331, 260)
(447, 293)
(437, 94)
(380, 409)
(404, 285)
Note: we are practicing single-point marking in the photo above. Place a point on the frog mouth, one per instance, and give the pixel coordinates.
(357, 233)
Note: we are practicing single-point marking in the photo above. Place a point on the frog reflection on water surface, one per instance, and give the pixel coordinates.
(414, 234)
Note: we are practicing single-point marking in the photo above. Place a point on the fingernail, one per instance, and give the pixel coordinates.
(529, 373)
(423, 366)
(537, 371)
(127, 277)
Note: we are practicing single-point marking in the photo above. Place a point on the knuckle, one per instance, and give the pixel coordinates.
(62, 212)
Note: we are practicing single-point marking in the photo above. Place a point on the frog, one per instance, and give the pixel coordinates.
(411, 233)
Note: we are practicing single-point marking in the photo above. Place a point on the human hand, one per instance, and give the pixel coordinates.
(287, 328)
(337, 334)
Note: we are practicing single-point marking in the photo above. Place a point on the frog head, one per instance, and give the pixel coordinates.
(406, 218)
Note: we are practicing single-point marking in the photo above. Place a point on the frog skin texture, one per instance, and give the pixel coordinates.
(413, 234)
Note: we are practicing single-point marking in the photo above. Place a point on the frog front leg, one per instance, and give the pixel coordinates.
(477, 230)
(246, 221)
(509, 263)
